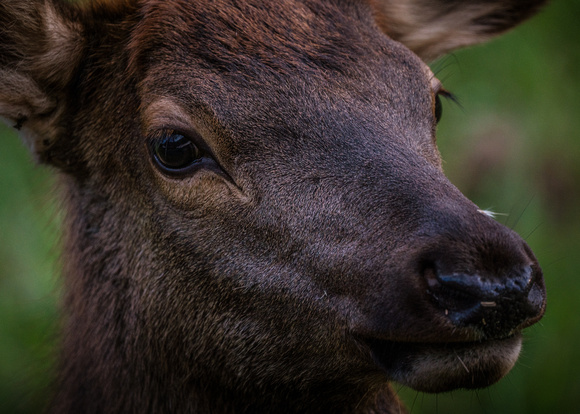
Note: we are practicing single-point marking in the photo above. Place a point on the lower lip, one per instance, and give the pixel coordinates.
(439, 367)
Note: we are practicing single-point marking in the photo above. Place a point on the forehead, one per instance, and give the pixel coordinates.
(231, 55)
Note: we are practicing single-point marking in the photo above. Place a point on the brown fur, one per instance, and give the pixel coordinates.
(317, 251)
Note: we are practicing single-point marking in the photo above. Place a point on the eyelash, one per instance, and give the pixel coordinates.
(439, 106)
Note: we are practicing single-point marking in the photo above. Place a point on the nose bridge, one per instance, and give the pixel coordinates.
(415, 195)
(442, 220)
(467, 240)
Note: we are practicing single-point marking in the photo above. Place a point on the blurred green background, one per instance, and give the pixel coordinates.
(513, 146)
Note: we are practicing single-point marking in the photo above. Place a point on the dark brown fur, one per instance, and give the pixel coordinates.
(292, 272)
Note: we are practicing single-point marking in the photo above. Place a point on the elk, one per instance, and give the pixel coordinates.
(257, 219)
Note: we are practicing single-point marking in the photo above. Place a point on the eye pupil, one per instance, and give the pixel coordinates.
(438, 108)
(173, 151)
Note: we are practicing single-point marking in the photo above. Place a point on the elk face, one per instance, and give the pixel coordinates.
(315, 201)
(258, 189)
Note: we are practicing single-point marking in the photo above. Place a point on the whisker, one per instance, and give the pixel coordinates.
(414, 400)
(532, 232)
(522, 213)
(462, 363)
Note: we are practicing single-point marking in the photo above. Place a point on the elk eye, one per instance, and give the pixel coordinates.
(174, 152)
(438, 108)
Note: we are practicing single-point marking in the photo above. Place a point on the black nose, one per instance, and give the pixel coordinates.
(495, 304)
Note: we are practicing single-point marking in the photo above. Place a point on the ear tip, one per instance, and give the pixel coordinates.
(509, 14)
(432, 28)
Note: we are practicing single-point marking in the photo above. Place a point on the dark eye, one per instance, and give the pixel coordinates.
(438, 108)
(174, 152)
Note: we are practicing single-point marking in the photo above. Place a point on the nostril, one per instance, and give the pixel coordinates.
(488, 287)
(474, 285)
(520, 280)
(451, 292)
(536, 297)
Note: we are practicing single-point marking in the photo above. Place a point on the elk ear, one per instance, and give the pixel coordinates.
(431, 28)
(40, 47)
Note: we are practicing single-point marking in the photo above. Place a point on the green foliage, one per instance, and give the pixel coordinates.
(513, 146)
(28, 278)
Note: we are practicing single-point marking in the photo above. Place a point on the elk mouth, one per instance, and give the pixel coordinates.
(441, 367)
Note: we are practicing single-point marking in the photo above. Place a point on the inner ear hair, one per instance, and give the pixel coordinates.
(431, 28)
(40, 47)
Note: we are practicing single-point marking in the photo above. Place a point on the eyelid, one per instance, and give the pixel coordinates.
(438, 89)
(436, 85)
(189, 133)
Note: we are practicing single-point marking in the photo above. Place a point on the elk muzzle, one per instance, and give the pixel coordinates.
(469, 286)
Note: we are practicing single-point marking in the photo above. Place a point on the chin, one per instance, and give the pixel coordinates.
(441, 367)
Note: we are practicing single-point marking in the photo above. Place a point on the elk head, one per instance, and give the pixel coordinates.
(257, 214)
